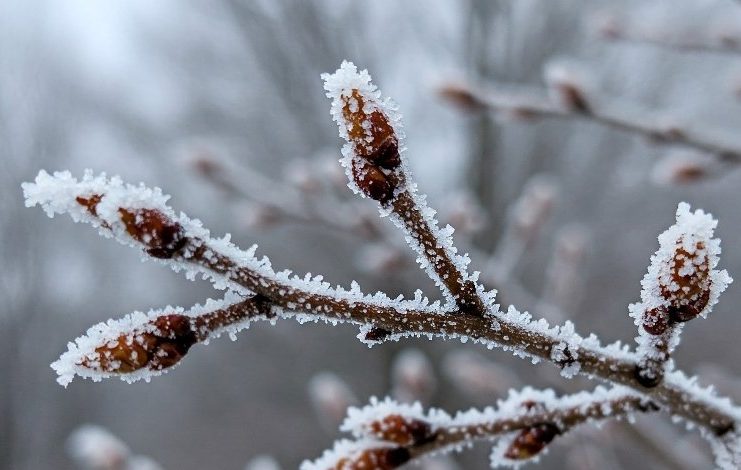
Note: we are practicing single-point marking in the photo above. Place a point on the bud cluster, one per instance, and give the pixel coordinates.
(681, 283)
(373, 159)
(162, 236)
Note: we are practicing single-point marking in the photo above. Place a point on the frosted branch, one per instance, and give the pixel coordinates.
(143, 345)
(390, 434)
(138, 216)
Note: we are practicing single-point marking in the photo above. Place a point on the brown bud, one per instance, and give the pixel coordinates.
(403, 431)
(371, 135)
(531, 441)
(693, 292)
(372, 182)
(656, 321)
(162, 236)
(152, 350)
(375, 459)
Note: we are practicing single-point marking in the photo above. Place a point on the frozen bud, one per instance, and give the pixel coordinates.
(461, 96)
(567, 84)
(150, 227)
(688, 289)
(412, 376)
(372, 181)
(368, 124)
(656, 321)
(370, 132)
(682, 282)
(531, 441)
(682, 169)
(401, 430)
(376, 459)
(159, 345)
(331, 397)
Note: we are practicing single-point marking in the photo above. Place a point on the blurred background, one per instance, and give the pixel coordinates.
(220, 104)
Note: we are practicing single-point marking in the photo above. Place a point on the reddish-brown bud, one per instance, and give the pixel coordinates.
(401, 430)
(690, 289)
(372, 181)
(371, 134)
(162, 236)
(656, 321)
(375, 459)
(531, 441)
(156, 350)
